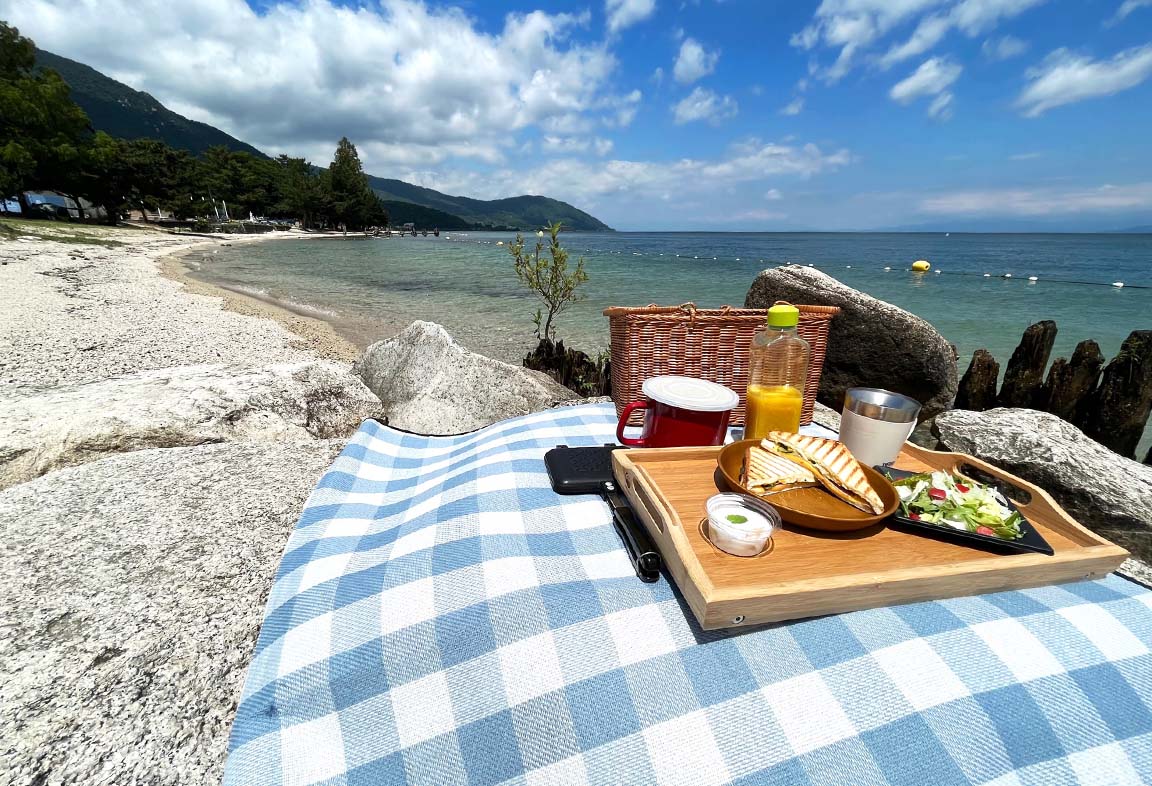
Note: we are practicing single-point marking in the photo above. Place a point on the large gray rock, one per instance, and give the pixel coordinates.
(1102, 490)
(429, 384)
(871, 343)
(42, 429)
(133, 591)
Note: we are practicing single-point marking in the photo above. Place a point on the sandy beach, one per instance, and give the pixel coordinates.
(73, 313)
(196, 423)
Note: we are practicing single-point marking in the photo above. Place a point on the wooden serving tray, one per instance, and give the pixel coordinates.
(806, 573)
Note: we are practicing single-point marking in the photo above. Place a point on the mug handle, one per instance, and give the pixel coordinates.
(624, 416)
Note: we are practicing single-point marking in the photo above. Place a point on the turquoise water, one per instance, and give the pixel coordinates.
(466, 282)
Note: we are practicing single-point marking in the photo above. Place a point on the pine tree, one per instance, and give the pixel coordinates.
(352, 201)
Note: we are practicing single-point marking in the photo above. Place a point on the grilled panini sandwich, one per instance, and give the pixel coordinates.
(766, 471)
(833, 465)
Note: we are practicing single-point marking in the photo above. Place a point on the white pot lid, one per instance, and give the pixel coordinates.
(690, 393)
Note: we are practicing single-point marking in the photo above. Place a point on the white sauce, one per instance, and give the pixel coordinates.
(745, 538)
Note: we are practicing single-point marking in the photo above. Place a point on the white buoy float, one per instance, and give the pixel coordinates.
(1007, 275)
(1118, 284)
(847, 267)
(938, 272)
(887, 269)
(987, 275)
(811, 265)
(1033, 278)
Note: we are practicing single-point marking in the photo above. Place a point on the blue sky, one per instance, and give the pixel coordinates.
(661, 114)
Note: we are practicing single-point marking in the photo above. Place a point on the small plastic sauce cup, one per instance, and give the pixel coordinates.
(740, 525)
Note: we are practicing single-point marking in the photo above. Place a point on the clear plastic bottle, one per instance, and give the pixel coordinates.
(778, 369)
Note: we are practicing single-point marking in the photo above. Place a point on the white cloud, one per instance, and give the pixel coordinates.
(934, 77)
(773, 195)
(625, 13)
(584, 181)
(622, 109)
(745, 216)
(571, 144)
(853, 27)
(1065, 78)
(941, 107)
(703, 104)
(927, 34)
(1127, 7)
(693, 62)
(979, 16)
(1003, 48)
(793, 107)
(658, 76)
(407, 82)
(1041, 202)
(1030, 156)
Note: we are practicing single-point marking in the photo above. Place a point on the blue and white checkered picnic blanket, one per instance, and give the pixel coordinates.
(442, 617)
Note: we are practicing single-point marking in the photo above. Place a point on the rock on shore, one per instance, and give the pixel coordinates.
(429, 384)
(1106, 492)
(133, 592)
(871, 343)
(42, 429)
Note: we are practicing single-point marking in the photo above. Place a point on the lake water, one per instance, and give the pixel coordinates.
(466, 282)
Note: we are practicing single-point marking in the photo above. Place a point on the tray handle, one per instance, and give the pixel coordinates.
(1041, 505)
(636, 480)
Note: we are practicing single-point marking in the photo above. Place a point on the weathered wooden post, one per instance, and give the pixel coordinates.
(1025, 372)
(1070, 383)
(977, 390)
(1119, 409)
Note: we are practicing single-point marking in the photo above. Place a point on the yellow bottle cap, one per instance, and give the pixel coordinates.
(783, 315)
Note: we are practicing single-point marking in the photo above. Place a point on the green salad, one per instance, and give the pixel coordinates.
(952, 500)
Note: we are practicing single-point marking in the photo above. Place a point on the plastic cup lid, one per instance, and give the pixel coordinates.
(690, 393)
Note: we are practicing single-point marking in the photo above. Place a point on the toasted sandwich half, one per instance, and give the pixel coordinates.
(833, 465)
(765, 470)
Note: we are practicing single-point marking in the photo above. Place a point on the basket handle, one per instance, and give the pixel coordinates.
(689, 308)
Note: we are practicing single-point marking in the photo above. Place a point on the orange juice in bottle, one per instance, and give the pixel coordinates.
(778, 369)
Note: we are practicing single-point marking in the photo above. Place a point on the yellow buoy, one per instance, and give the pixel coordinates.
(921, 266)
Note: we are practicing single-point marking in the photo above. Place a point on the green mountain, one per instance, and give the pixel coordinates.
(120, 111)
(522, 212)
(123, 112)
(400, 213)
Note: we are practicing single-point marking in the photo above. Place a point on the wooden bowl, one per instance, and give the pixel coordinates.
(813, 508)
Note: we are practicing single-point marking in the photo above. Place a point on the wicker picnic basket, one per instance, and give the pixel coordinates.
(709, 344)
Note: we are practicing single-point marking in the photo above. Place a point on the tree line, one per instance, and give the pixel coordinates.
(48, 144)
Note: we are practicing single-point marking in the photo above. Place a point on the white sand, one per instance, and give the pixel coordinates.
(73, 312)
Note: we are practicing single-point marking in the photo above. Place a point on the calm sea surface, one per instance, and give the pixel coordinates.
(466, 282)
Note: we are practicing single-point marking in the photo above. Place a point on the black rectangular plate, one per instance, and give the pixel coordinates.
(1032, 542)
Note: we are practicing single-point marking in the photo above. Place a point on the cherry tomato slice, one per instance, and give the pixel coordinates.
(985, 531)
(937, 494)
(962, 488)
